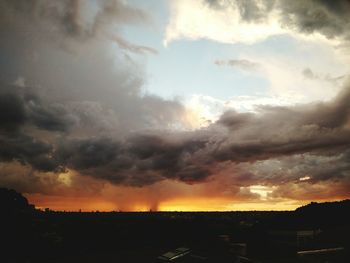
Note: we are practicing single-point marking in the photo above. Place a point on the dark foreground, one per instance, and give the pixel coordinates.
(314, 233)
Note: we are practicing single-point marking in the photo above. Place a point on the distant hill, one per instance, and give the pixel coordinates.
(12, 201)
(324, 214)
(329, 206)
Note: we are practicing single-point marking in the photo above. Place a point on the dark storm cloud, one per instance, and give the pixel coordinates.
(27, 150)
(52, 118)
(84, 154)
(330, 18)
(275, 133)
(313, 176)
(314, 167)
(333, 115)
(327, 17)
(168, 154)
(73, 18)
(139, 160)
(68, 23)
(12, 112)
(96, 82)
(234, 119)
(237, 138)
(83, 104)
(285, 131)
(20, 106)
(99, 88)
(250, 10)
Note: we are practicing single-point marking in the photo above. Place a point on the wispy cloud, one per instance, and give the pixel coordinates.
(242, 64)
(311, 75)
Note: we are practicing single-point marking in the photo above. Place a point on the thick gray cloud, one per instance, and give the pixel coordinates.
(330, 18)
(236, 138)
(327, 17)
(93, 79)
(76, 94)
(139, 160)
(250, 10)
(287, 130)
(70, 18)
(273, 133)
(12, 112)
(28, 150)
(21, 106)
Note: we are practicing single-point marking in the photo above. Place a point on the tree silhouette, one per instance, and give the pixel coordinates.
(11, 201)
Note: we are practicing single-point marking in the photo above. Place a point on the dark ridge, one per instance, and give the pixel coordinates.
(325, 214)
(329, 206)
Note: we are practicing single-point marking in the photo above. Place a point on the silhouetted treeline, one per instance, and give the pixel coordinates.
(29, 235)
(11, 201)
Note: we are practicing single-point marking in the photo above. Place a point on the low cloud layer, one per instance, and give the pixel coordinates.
(144, 158)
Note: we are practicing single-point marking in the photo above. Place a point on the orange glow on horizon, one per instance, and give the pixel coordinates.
(169, 196)
(219, 204)
(85, 204)
(195, 204)
(62, 203)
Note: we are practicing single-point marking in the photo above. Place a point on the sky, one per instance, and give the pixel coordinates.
(175, 105)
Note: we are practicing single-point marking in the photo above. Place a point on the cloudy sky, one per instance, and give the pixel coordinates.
(175, 105)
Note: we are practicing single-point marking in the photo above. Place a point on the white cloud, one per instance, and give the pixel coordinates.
(284, 72)
(197, 20)
(224, 23)
(204, 109)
